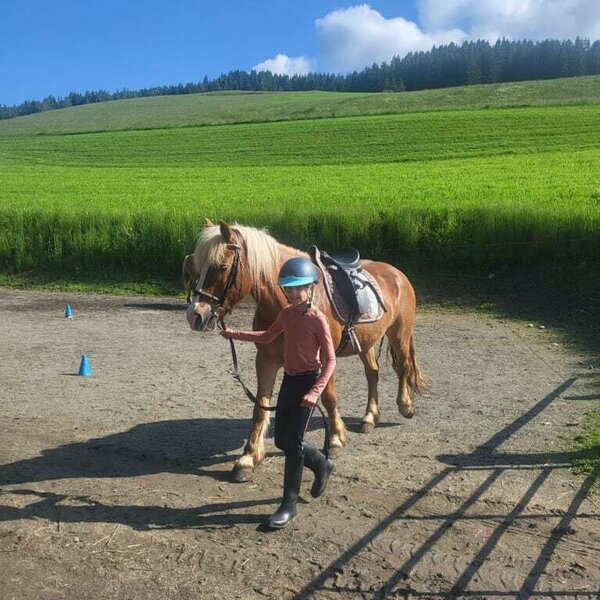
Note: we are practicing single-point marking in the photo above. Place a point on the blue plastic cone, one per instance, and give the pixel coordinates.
(84, 367)
(68, 312)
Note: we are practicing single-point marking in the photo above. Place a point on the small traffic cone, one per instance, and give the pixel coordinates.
(84, 367)
(68, 312)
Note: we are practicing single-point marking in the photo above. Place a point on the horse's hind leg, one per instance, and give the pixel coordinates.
(371, 418)
(254, 451)
(338, 429)
(188, 276)
(399, 336)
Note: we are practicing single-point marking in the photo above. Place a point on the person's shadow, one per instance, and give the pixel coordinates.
(182, 446)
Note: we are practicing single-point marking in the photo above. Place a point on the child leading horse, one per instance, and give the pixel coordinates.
(233, 262)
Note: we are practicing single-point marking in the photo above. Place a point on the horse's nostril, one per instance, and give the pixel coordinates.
(193, 318)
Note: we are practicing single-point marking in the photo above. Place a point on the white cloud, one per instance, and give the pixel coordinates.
(355, 37)
(513, 19)
(284, 65)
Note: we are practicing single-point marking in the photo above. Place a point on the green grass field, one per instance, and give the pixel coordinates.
(165, 112)
(460, 188)
(455, 188)
(426, 137)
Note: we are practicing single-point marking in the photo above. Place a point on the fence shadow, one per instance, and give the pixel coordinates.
(485, 458)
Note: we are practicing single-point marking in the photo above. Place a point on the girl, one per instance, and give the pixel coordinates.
(308, 362)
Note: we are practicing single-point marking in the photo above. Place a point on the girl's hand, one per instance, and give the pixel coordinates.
(226, 334)
(308, 401)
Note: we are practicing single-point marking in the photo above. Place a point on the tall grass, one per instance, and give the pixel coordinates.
(534, 208)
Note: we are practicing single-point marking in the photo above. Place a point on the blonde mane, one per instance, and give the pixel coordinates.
(261, 252)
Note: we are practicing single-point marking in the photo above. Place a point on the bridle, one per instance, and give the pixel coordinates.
(218, 310)
(218, 306)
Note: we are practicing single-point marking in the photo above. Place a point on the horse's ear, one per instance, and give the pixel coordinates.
(226, 232)
(208, 222)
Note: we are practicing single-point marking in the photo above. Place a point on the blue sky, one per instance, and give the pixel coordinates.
(78, 45)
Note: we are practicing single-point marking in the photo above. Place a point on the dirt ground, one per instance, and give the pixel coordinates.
(118, 485)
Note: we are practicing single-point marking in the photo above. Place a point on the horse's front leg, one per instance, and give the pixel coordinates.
(338, 429)
(267, 365)
(371, 418)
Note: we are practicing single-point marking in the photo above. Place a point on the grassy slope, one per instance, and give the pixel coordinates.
(243, 107)
(353, 140)
(535, 169)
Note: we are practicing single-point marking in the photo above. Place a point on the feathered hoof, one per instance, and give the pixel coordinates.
(366, 427)
(240, 473)
(406, 410)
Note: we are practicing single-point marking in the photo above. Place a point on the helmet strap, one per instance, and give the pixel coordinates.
(308, 304)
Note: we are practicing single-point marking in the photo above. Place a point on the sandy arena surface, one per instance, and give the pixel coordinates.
(118, 485)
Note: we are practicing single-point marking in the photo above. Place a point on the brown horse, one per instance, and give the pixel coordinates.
(234, 261)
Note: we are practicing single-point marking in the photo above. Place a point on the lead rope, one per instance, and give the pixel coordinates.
(235, 373)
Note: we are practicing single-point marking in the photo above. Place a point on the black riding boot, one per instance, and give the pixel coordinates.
(321, 466)
(292, 479)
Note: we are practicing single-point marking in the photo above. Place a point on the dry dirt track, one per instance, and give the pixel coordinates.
(117, 486)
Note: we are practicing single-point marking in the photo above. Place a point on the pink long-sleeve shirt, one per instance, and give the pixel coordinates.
(307, 344)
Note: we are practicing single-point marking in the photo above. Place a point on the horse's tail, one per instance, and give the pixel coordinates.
(415, 379)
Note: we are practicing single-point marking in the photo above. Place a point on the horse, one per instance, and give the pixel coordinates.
(235, 261)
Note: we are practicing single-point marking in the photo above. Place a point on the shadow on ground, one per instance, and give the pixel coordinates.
(486, 459)
(566, 300)
(182, 446)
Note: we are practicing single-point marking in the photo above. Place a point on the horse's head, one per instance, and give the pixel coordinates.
(222, 282)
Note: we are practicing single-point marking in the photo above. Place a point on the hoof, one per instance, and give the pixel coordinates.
(406, 410)
(366, 427)
(241, 474)
(335, 452)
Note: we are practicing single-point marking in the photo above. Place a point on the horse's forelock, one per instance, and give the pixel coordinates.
(209, 250)
(261, 250)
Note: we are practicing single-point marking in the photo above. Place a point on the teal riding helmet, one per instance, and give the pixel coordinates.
(297, 271)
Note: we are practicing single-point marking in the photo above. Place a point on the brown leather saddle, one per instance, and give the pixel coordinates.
(353, 292)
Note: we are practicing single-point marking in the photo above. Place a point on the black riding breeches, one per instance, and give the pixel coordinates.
(291, 419)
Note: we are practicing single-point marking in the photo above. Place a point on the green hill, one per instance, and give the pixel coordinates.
(250, 107)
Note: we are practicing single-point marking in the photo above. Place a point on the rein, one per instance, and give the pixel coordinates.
(235, 373)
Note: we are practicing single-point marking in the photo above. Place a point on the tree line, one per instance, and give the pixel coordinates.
(469, 63)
